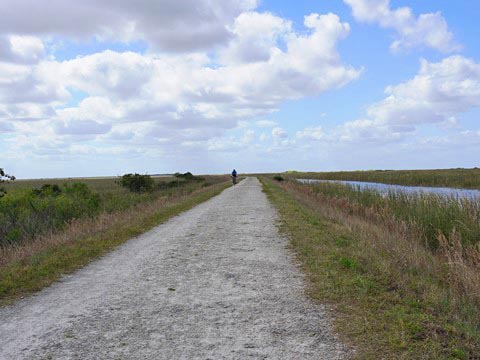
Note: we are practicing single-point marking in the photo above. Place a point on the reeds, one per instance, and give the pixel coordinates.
(430, 213)
(435, 235)
(457, 178)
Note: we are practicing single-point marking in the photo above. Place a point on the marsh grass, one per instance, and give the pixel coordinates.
(456, 178)
(393, 296)
(431, 214)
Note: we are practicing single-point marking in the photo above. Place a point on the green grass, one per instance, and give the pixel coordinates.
(384, 306)
(456, 178)
(32, 273)
(31, 209)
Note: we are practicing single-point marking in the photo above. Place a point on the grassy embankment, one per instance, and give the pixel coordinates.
(403, 283)
(72, 227)
(457, 178)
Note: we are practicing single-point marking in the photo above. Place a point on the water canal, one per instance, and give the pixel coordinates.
(414, 190)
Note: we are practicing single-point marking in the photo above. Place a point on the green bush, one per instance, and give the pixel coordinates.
(188, 176)
(278, 178)
(25, 214)
(48, 190)
(137, 183)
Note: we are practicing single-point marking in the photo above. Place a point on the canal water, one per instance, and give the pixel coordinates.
(387, 188)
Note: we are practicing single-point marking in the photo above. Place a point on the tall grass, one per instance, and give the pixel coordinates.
(457, 178)
(432, 214)
(447, 227)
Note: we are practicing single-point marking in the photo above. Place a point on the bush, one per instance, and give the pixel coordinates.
(188, 176)
(29, 213)
(48, 190)
(137, 183)
(278, 178)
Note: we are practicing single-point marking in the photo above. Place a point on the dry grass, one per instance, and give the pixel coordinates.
(395, 298)
(463, 263)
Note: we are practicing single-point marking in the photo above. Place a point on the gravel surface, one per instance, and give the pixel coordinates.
(216, 282)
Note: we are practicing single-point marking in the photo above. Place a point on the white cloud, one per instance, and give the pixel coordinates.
(165, 24)
(438, 94)
(426, 30)
(256, 36)
(263, 137)
(82, 127)
(266, 123)
(164, 100)
(279, 133)
(248, 137)
(311, 133)
(21, 49)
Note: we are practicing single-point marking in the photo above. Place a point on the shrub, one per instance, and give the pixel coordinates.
(188, 176)
(137, 183)
(48, 190)
(278, 178)
(29, 213)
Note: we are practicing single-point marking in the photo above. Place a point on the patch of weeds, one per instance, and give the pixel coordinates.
(342, 241)
(347, 263)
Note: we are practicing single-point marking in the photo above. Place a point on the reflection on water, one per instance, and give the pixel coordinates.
(386, 188)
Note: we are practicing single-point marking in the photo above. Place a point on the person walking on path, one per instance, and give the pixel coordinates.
(234, 176)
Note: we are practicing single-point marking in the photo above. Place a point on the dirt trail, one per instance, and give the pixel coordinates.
(216, 282)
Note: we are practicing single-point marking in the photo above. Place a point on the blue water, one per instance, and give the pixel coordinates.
(387, 188)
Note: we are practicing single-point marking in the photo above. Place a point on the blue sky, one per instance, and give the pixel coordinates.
(262, 86)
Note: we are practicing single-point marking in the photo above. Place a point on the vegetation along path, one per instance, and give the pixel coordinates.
(215, 282)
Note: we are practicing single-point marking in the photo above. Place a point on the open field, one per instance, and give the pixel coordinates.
(456, 178)
(99, 184)
(394, 293)
(35, 207)
(48, 234)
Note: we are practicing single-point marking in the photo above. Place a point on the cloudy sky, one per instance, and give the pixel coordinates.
(105, 87)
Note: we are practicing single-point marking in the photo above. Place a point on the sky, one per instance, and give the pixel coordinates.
(107, 87)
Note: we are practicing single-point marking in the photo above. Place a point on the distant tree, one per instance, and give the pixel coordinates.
(48, 190)
(137, 183)
(3, 179)
(188, 176)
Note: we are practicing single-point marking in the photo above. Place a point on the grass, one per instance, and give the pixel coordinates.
(456, 178)
(432, 215)
(32, 208)
(393, 297)
(38, 263)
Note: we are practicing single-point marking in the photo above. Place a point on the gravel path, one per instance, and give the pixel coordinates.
(216, 282)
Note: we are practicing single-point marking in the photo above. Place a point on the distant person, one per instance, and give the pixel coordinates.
(234, 176)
